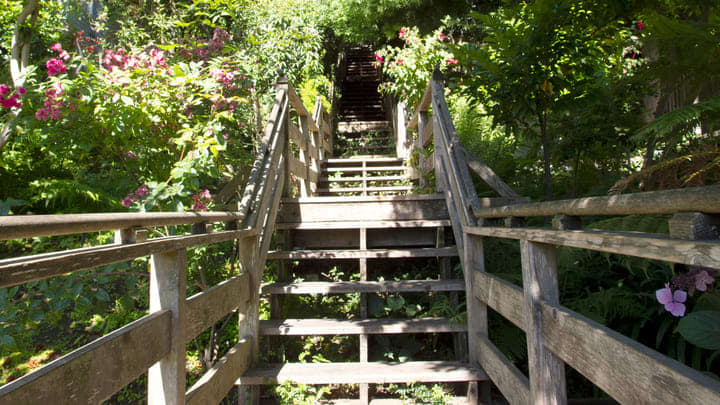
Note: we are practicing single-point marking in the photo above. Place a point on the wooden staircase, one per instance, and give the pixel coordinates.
(363, 125)
(364, 176)
(377, 233)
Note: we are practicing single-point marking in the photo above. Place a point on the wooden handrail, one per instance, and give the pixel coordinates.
(698, 199)
(28, 226)
(96, 371)
(623, 368)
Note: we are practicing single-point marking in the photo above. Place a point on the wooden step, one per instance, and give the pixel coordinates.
(378, 160)
(362, 373)
(359, 179)
(369, 168)
(362, 208)
(362, 224)
(318, 327)
(361, 254)
(348, 287)
(368, 189)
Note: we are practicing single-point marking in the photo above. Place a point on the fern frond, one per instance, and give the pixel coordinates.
(688, 115)
(669, 169)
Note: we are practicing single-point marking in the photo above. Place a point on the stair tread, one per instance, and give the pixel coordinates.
(359, 179)
(414, 197)
(369, 168)
(360, 189)
(362, 254)
(359, 373)
(347, 287)
(362, 224)
(318, 327)
(363, 159)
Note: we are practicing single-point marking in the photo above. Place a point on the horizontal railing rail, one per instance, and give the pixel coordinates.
(156, 342)
(623, 368)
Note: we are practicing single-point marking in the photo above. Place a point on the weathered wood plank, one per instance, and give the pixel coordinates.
(214, 385)
(488, 175)
(368, 189)
(626, 370)
(358, 210)
(700, 199)
(297, 168)
(369, 373)
(94, 372)
(649, 246)
(24, 269)
(540, 283)
(421, 107)
(427, 135)
(500, 295)
(347, 287)
(207, 307)
(316, 327)
(363, 254)
(168, 286)
(354, 224)
(296, 136)
(27, 226)
(360, 179)
(510, 381)
(368, 169)
(299, 107)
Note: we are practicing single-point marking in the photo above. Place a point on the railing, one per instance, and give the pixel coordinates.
(156, 342)
(623, 368)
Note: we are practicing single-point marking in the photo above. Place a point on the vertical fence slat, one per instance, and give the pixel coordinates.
(168, 282)
(473, 261)
(540, 283)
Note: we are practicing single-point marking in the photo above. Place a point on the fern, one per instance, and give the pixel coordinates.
(688, 117)
(64, 195)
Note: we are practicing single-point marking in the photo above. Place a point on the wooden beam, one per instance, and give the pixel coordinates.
(540, 283)
(500, 295)
(357, 326)
(168, 286)
(27, 226)
(214, 385)
(625, 369)
(24, 269)
(426, 136)
(207, 307)
(422, 106)
(96, 371)
(649, 246)
(299, 107)
(358, 373)
(511, 382)
(488, 175)
(363, 254)
(347, 287)
(700, 199)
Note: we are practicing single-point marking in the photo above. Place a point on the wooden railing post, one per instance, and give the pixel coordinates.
(540, 283)
(282, 86)
(168, 279)
(401, 138)
(423, 121)
(477, 326)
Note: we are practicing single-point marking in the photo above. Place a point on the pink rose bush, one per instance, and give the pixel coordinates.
(8, 101)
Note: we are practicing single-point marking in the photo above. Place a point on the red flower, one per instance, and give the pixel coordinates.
(452, 61)
(402, 32)
(640, 25)
(378, 58)
(441, 36)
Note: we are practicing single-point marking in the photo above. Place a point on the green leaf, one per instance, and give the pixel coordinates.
(702, 329)
(102, 295)
(7, 341)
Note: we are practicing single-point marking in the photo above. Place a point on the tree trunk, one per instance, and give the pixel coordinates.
(547, 175)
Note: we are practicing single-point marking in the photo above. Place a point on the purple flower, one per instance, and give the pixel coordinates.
(702, 279)
(4, 89)
(42, 114)
(128, 200)
(142, 191)
(673, 301)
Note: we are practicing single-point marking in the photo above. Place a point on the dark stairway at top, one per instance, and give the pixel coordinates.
(363, 122)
